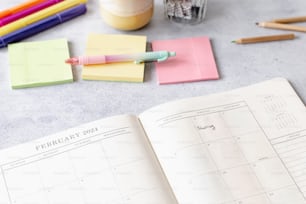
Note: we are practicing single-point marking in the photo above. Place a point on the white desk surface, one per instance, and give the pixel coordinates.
(28, 114)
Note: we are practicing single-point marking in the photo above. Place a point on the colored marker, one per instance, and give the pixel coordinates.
(42, 25)
(26, 12)
(21, 23)
(19, 8)
(138, 58)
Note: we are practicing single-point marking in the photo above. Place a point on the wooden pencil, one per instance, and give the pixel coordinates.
(281, 26)
(269, 38)
(290, 20)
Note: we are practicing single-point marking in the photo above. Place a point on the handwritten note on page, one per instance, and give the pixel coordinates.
(245, 146)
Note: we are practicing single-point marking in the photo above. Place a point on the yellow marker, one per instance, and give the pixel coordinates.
(39, 16)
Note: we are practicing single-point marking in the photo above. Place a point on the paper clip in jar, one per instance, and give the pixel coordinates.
(185, 11)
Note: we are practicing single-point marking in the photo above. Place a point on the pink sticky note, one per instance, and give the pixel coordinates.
(194, 60)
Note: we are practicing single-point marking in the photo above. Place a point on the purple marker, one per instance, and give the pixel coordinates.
(42, 25)
(27, 12)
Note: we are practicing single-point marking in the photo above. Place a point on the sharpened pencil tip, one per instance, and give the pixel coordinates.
(233, 41)
(256, 23)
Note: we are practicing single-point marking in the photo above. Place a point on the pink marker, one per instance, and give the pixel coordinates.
(26, 12)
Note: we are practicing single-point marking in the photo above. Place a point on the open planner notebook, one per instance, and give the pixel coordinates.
(244, 146)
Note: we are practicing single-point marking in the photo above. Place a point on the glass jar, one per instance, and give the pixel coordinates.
(185, 11)
(127, 14)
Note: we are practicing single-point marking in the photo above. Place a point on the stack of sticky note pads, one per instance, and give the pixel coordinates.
(38, 63)
(35, 16)
(194, 60)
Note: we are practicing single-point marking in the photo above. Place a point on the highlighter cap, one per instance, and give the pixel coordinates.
(73, 12)
(2, 43)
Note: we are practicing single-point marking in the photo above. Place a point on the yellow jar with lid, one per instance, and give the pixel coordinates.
(127, 14)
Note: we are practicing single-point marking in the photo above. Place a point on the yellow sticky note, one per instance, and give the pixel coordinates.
(100, 44)
(39, 63)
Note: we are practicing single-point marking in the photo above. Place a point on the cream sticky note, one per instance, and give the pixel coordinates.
(194, 60)
(100, 44)
(39, 63)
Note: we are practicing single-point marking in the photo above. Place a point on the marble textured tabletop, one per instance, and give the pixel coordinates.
(28, 114)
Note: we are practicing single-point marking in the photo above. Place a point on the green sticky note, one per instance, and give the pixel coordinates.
(41, 63)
